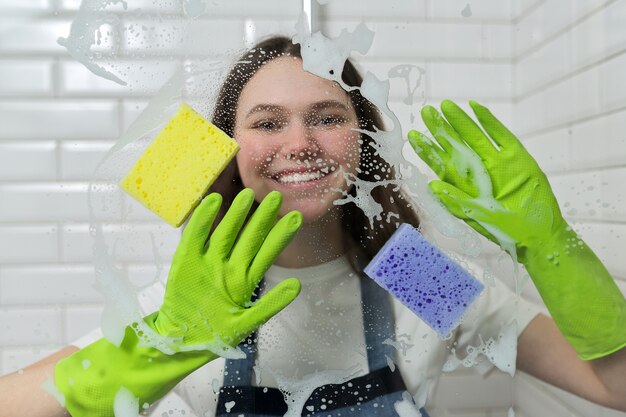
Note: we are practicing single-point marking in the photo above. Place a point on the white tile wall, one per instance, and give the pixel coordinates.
(26, 77)
(59, 119)
(569, 111)
(552, 71)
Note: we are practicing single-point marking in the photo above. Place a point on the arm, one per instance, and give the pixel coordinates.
(492, 183)
(544, 353)
(22, 393)
(205, 312)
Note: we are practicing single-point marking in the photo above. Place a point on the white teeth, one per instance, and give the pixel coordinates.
(300, 177)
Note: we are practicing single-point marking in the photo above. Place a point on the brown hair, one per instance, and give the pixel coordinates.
(366, 240)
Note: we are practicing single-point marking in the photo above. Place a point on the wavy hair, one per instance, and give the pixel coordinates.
(363, 239)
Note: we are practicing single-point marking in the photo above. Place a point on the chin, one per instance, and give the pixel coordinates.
(313, 211)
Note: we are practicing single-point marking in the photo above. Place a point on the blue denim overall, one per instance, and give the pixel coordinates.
(377, 391)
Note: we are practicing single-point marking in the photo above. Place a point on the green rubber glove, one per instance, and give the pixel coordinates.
(499, 190)
(206, 308)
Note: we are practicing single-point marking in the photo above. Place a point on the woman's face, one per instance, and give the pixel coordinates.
(295, 131)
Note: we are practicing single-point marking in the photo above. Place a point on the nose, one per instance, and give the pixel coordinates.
(299, 141)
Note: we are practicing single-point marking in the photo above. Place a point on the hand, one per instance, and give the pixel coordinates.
(211, 282)
(206, 309)
(497, 188)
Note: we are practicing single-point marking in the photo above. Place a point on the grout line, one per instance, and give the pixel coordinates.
(524, 14)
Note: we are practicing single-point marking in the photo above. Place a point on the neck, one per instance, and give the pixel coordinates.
(319, 241)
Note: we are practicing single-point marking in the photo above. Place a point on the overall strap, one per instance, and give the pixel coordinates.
(380, 383)
(378, 324)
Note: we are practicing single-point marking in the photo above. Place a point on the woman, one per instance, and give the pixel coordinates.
(300, 144)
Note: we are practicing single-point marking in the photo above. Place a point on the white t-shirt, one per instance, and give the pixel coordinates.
(322, 329)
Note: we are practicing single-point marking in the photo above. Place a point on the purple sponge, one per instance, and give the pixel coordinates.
(424, 279)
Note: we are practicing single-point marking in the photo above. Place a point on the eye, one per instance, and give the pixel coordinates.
(330, 120)
(268, 125)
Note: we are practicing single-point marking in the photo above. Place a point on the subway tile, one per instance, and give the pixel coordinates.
(124, 242)
(547, 64)
(80, 320)
(12, 7)
(560, 104)
(27, 161)
(27, 327)
(134, 211)
(40, 202)
(522, 6)
(256, 29)
(28, 243)
(142, 275)
(407, 80)
(462, 9)
(398, 40)
(477, 81)
(25, 77)
(399, 9)
(59, 119)
(497, 42)
(14, 359)
(277, 9)
(551, 150)
(599, 36)
(48, 284)
(131, 109)
(548, 19)
(79, 160)
(33, 36)
(143, 78)
(612, 87)
(134, 6)
(588, 42)
(595, 143)
(175, 38)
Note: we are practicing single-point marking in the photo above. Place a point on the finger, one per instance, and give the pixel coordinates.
(257, 229)
(500, 134)
(450, 196)
(197, 230)
(428, 152)
(224, 235)
(468, 129)
(277, 239)
(272, 303)
(441, 130)
(461, 206)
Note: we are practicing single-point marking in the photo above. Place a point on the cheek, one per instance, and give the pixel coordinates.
(345, 148)
(253, 157)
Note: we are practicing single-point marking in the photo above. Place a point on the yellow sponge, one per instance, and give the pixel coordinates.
(179, 166)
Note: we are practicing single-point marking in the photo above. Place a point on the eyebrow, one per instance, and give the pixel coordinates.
(319, 105)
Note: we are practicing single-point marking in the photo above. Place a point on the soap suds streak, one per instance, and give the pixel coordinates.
(388, 144)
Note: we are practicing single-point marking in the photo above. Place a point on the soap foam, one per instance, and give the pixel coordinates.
(97, 29)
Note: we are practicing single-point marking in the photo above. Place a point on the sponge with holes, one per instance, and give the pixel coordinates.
(176, 170)
(424, 279)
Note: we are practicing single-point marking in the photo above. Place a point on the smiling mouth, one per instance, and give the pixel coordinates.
(301, 177)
